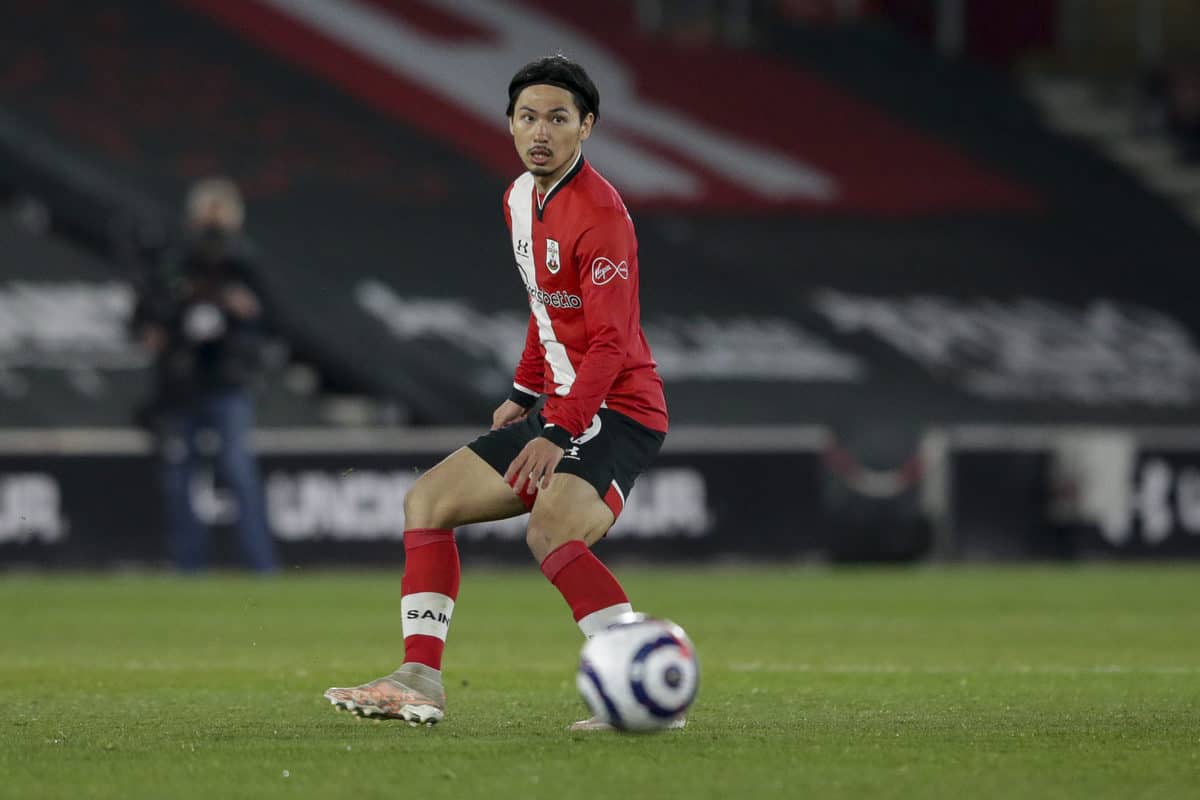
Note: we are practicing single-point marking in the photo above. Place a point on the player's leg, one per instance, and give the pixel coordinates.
(581, 502)
(583, 499)
(567, 519)
(460, 490)
(463, 488)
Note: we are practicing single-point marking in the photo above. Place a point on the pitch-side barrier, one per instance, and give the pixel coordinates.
(77, 497)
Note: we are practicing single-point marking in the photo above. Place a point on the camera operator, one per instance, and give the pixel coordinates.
(200, 316)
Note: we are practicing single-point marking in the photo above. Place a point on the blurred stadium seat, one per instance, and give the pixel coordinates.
(842, 228)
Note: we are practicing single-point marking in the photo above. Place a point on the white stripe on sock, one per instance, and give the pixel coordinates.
(597, 621)
(426, 613)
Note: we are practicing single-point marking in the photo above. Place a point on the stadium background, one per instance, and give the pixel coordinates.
(922, 291)
(920, 275)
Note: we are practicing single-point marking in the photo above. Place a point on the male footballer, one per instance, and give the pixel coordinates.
(573, 464)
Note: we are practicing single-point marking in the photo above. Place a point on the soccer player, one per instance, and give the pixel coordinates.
(572, 464)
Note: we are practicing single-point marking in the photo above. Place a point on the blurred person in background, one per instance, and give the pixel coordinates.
(1184, 111)
(200, 316)
(1170, 105)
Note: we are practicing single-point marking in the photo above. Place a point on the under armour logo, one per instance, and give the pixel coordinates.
(523, 247)
(572, 452)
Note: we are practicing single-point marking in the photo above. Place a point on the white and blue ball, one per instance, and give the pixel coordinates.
(639, 674)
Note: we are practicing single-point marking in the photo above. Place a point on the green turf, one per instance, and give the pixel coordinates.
(816, 684)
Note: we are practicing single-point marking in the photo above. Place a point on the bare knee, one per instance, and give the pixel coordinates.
(544, 539)
(426, 506)
(549, 531)
(541, 539)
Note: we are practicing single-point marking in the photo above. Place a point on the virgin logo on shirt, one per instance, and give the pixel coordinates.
(604, 271)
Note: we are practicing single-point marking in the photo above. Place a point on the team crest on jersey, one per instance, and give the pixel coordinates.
(552, 262)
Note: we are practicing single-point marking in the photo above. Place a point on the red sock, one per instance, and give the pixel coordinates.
(593, 594)
(428, 591)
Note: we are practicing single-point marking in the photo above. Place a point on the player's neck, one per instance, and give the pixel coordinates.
(544, 183)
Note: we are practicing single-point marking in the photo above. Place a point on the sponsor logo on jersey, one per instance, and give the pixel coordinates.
(604, 270)
(522, 248)
(552, 262)
(559, 299)
(572, 453)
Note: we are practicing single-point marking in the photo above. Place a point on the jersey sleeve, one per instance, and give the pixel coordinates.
(528, 380)
(606, 257)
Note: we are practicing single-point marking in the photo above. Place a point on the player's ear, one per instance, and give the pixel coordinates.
(510, 125)
(585, 127)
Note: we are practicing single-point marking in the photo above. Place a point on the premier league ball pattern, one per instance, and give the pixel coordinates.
(639, 675)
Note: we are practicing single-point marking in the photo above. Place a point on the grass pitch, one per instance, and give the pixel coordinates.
(918, 683)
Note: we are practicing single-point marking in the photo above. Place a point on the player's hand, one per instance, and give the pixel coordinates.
(534, 466)
(508, 413)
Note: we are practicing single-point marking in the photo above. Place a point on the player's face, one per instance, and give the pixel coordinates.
(547, 130)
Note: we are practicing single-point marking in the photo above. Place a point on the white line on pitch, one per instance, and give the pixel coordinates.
(1012, 669)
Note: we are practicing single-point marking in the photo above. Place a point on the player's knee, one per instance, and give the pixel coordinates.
(426, 507)
(538, 542)
(546, 533)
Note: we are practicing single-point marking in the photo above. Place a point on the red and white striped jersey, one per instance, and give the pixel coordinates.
(577, 255)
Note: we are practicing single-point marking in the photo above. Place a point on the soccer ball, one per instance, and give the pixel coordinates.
(639, 674)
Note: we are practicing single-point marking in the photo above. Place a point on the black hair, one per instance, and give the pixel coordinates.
(560, 71)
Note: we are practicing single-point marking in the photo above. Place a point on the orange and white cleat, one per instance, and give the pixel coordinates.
(412, 693)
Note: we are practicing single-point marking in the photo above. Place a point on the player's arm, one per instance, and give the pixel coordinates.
(606, 256)
(528, 376)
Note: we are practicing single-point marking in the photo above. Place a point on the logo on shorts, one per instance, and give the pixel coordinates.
(552, 262)
(572, 452)
(604, 270)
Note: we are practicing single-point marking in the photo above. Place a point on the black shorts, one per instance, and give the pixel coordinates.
(609, 455)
